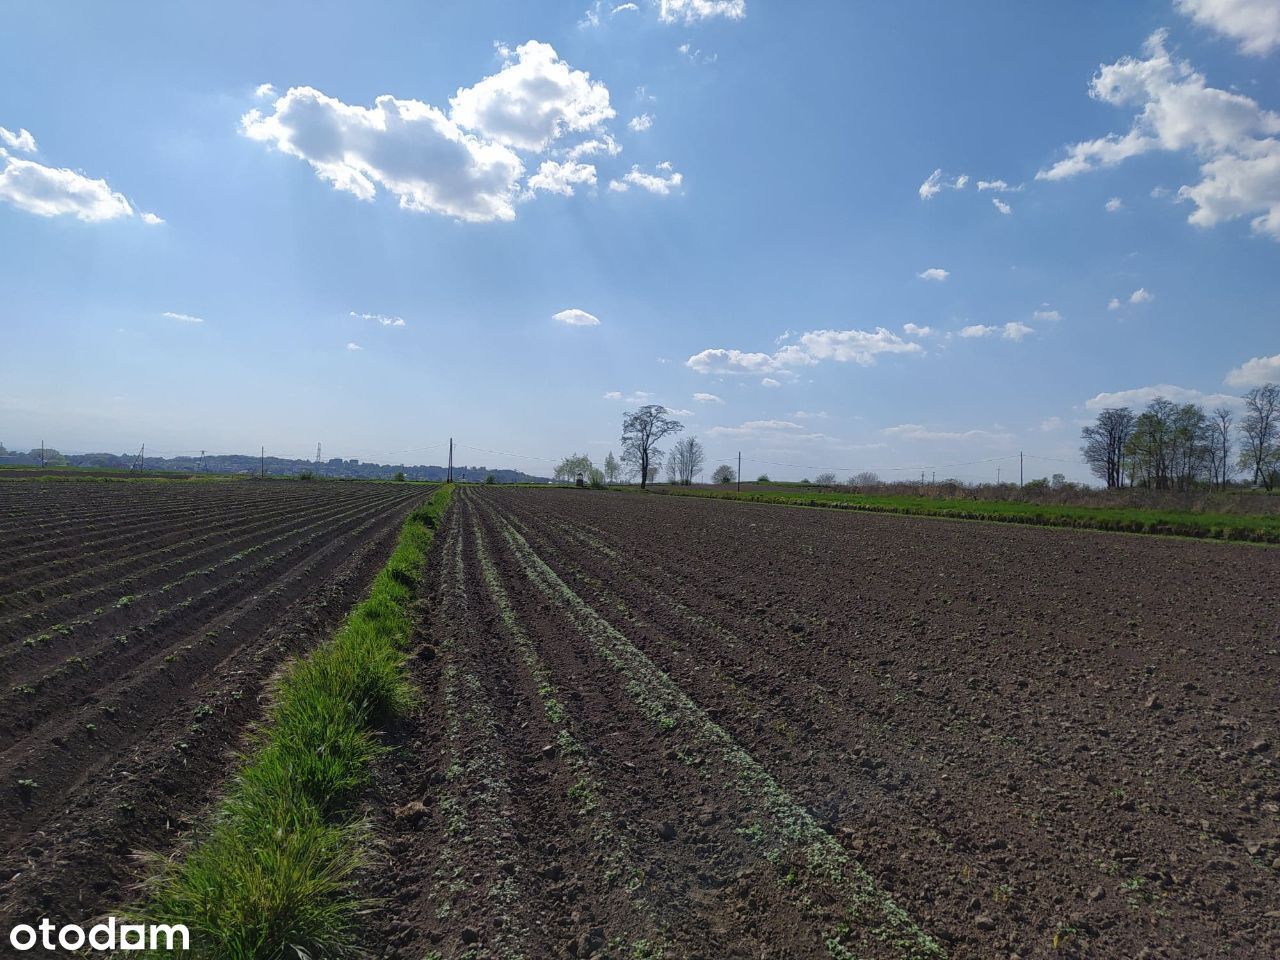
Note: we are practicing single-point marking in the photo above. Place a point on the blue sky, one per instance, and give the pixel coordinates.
(742, 195)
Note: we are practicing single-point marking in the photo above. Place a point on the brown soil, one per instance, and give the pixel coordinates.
(125, 716)
(659, 726)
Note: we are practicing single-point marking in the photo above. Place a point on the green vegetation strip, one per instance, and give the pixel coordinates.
(272, 878)
(1178, 523)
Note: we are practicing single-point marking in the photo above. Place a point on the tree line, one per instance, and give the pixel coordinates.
(1172, 446)
(642, 458)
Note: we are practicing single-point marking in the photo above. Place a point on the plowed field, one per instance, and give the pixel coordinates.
(668, 727)
(139, 622)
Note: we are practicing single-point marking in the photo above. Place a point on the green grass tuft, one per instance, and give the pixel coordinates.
(272, 876)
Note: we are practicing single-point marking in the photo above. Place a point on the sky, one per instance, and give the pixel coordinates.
(845, 236)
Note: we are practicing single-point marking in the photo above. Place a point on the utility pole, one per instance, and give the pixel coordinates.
(1019, 468)
(934, 481)
(200, 469)
(142, 458)
(41, 454)
(262, 463)
(450, 460)
(997, 476)
(739, 471)
(317, 453)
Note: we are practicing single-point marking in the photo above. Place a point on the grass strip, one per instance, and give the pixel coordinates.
(1177, 523)
(272, 878)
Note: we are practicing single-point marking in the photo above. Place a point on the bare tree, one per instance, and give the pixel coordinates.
(612, 468)
(1218, 442)
(686, 461)
(1105, 443)
(724, 474)
(1260, 431)
(865, 479)
(826, 480)
(642, 430)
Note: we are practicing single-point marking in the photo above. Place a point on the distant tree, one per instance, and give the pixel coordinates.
(1105, 442)
(1219, 444)
(572, 465)
(763, 478)
(864, 479)
(826, 480)
(687, 460)
(595, 477)
(398, 478)
(642, 431)
(1260, 433)
(490, 479)
(723, 474)
(1058, 481)
(612, 468)
(673, 471)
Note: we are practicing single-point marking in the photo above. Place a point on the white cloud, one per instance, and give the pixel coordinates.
(778, 429)
(999, 186)
(379, 318)
(805, 415)
(680, 412)
(915, 330)
(624, 8)
(182, 317)
(1114, 303)
(152, 220)
(409, 148)
(576, 318)
(1114, 204)
(613, 395)
(842, 346)
(1256, 372)
(641, 123)
(532, 100)
(605, 144)
(22, 140)
(1254, 23)
(934, 273)
(707, 398)
(937, 182)
(556, 177)
(636, 396)
(354, 347)
(662, 182)
(1001, 205)
(918, 432)
(689, 11)
(55, 191)
(1051, 424)
(1141, 296)
(1141, 396)
(770, 382)
(1013, 330)
(1233, 137)
(1048, 316)
(264, 90)
(697, 56)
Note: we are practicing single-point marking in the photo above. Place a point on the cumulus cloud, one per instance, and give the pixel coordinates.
(57, 191)
(353, 347)
(1255, 372)
(264, 91)
(641, 123)
(1049, 316)
(1254, 24)
(842, 346)
(534, 99)
(1141, 296)
(999, 186)
(182, 317)
(1013, 330)
(690, 11)
(915, 330)
(1141, 396)
(1001, 205)
(661, 182)
(770, 382)
(934, 273)
(462, 164)
(604, 144)
(22, 140)
(576, 318)
(1233, 137)
(556, 177)
(406, 147)
(152, 220)
(1114, 204)
(937, 182)
(379, 318)
(707, 398)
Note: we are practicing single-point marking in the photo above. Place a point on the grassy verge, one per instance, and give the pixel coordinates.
(1182, 523)
(272, 877)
